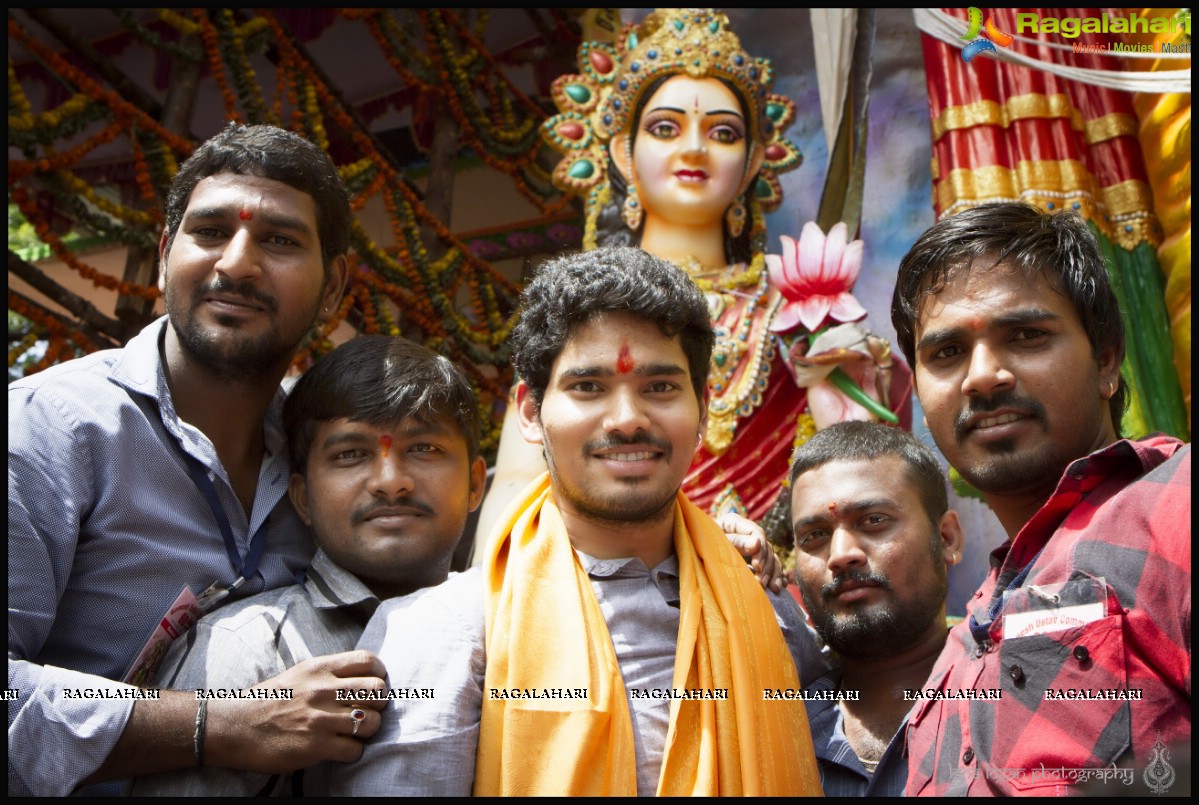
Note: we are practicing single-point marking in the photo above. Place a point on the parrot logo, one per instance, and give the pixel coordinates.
(992, 35)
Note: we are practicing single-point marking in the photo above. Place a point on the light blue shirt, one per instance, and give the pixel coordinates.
(105, 527)
(435, 639)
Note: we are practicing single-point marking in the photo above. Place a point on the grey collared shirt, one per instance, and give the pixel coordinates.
(254, 640)
(436, 638)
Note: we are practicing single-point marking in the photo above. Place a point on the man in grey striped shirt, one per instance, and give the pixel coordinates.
(384, 442)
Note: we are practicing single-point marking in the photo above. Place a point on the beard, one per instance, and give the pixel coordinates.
(875, 631)
(1007, 469)
(232, 356)
(634, 505)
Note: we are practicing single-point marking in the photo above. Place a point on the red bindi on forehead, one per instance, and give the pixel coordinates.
(624, 361)
(245, 215)
(385, 444)
(975, 323)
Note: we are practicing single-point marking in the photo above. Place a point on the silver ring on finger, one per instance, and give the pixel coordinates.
(357, 715)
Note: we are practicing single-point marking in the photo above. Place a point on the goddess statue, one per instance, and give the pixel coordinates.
(672, 137)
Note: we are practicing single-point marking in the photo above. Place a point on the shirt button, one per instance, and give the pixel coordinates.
(1017, 674)
(968, 756)
(980, 650)
(1081, 654)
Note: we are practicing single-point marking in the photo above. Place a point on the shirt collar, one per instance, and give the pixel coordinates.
(330, 586)
(626, 567)
(1123, 457)
(823, 712)
(140, 367)
(665, 574)
(141, 370)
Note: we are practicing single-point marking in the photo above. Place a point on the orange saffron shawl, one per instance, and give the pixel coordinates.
(545, 630)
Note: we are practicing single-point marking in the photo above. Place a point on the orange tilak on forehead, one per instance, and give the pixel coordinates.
(624, 361)
(385, 444)
(832, 509)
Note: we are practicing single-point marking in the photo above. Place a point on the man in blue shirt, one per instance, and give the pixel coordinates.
(149, 484)
(874, 538)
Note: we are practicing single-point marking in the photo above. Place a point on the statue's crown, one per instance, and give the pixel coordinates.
(598, 102)
(693, 41)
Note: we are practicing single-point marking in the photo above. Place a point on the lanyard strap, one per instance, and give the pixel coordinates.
(244, 570)
(199, 476)
(982, 631)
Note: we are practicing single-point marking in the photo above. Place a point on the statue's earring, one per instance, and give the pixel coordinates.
(631, 211)
(735, 217)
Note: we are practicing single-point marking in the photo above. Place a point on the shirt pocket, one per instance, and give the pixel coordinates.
(1064, 704)
(926, 737)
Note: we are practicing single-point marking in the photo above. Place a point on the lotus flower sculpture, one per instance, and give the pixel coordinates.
(815, 276)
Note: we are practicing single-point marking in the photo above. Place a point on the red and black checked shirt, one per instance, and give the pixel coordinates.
(1117, 529)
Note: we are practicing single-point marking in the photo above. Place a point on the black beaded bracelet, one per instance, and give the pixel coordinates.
(198, 738)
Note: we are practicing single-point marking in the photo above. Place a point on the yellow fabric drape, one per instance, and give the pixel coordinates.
(545, 631)
(1165, 134)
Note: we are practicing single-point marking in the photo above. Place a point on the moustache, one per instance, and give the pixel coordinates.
(984, 405)
(861, 576)
(615, 440)
(246, 290)
(362, 513)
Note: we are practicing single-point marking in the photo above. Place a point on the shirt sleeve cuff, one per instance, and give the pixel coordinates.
(61, 728)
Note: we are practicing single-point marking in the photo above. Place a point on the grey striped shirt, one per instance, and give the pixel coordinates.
(257, 639)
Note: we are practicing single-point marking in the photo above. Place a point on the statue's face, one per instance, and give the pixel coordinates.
(689, 155)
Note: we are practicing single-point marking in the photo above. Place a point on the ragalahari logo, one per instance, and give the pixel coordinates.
(1159, 774)
(992, 35)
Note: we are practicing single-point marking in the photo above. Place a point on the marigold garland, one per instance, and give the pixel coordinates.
(16, 94)
(232, 41)
(177, 21)
(62, 344)
(121, 108)
(180, 51)
(216, 68)
(24, 202)
(457, 303)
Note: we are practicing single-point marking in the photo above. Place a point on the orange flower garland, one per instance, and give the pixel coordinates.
(21, 198)
(216, 67)
(458, 303)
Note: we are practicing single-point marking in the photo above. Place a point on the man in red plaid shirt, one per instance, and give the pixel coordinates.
(1075, 655)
